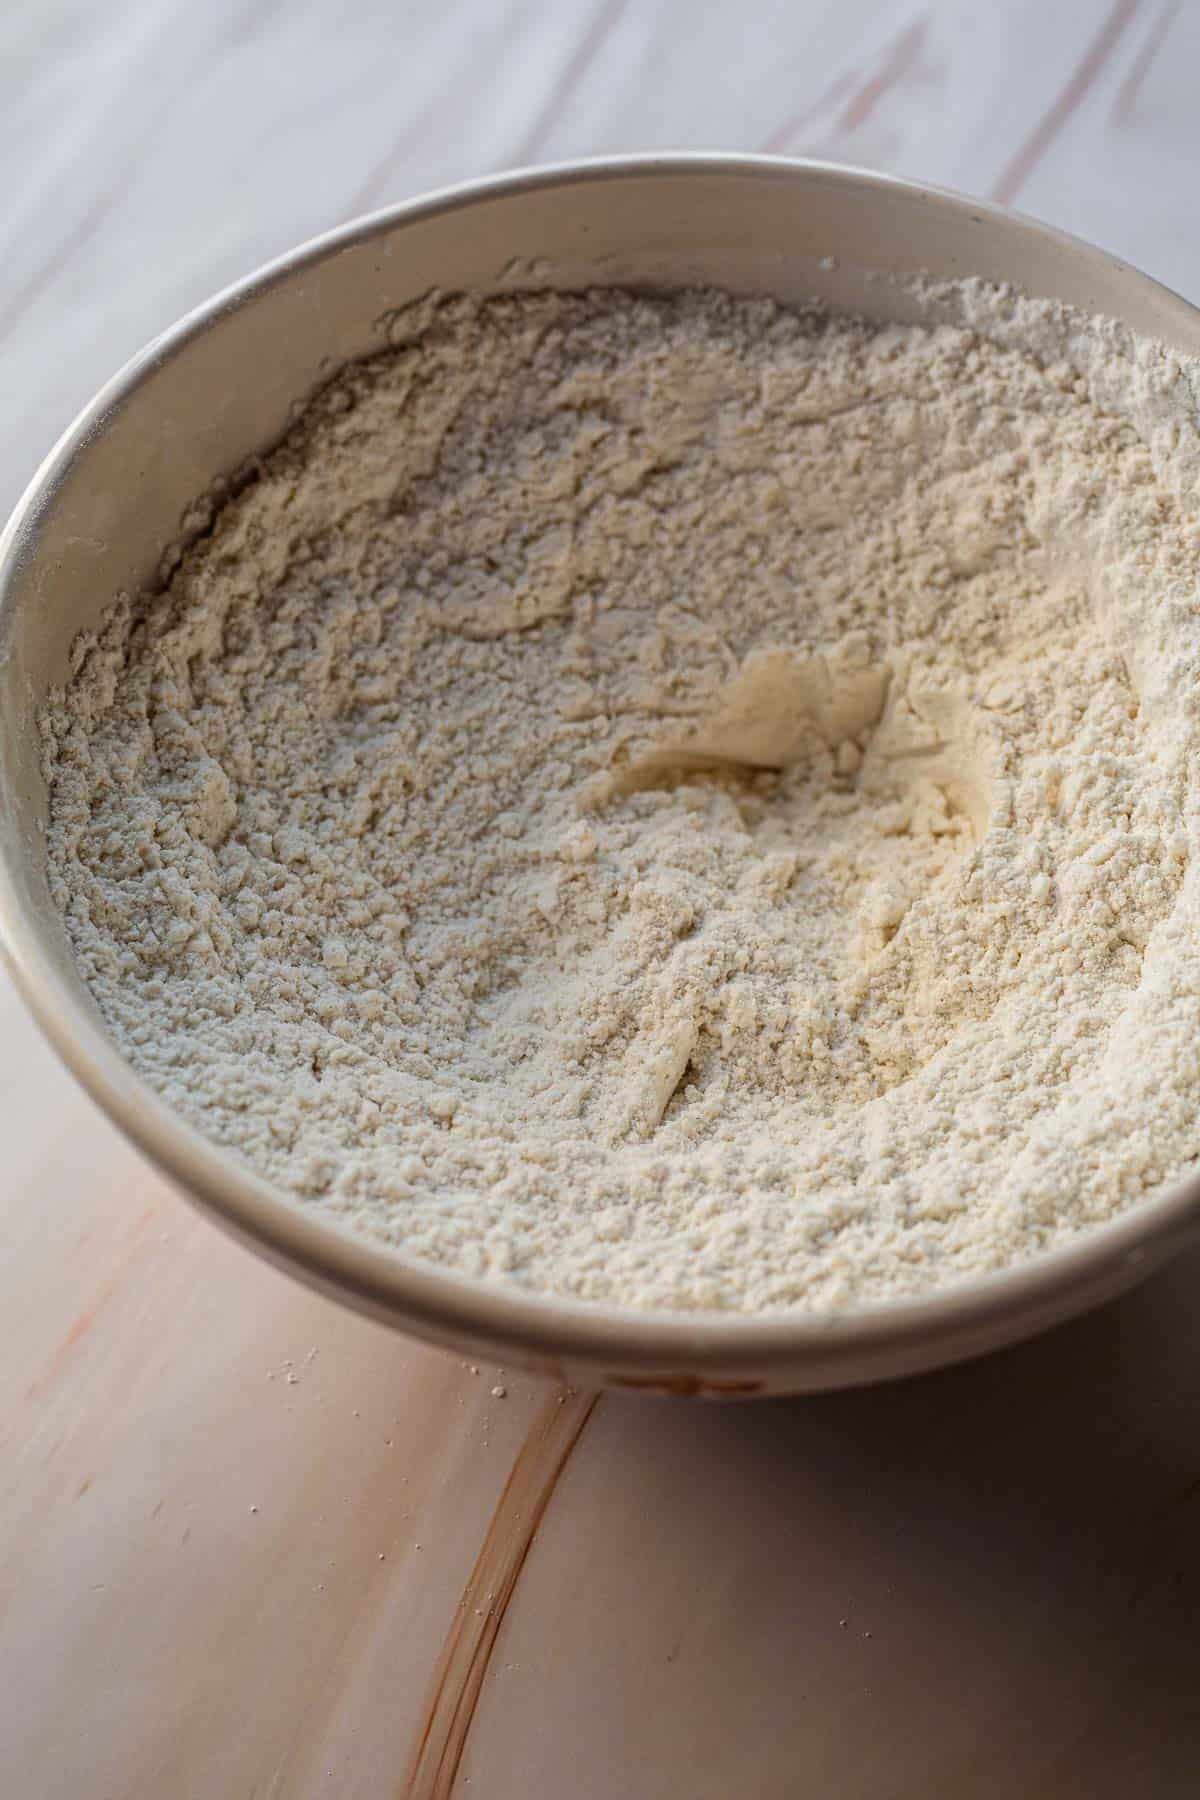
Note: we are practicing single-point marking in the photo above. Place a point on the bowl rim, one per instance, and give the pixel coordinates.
(558, 1332)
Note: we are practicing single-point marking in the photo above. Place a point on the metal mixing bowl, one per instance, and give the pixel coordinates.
(221, 385)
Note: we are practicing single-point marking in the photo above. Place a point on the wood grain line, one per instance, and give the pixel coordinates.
(249, 22)
(378, 178)
(1127, 93)
(895, 63)
(785, 134)
(604, 22)
(87, 1317)
(76, 239)
(463, 1663)
(1031, 152)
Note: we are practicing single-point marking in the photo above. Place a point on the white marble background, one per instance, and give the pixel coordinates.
(236, 1522)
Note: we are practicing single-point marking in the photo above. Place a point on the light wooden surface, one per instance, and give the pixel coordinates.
(253, 1546)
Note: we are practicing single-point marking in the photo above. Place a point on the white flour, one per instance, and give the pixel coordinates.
(674, 802)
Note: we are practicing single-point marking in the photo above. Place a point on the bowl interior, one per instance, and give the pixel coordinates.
(200, 401)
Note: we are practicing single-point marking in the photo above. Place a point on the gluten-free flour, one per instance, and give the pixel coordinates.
(674, 801)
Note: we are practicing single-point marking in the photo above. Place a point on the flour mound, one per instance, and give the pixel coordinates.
(674, 801)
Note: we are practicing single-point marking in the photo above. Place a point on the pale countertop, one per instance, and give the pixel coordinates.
(253, 1546)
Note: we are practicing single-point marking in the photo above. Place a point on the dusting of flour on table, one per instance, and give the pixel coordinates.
(672, 800)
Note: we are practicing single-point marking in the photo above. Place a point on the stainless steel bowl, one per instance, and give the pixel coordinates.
(219, 386)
